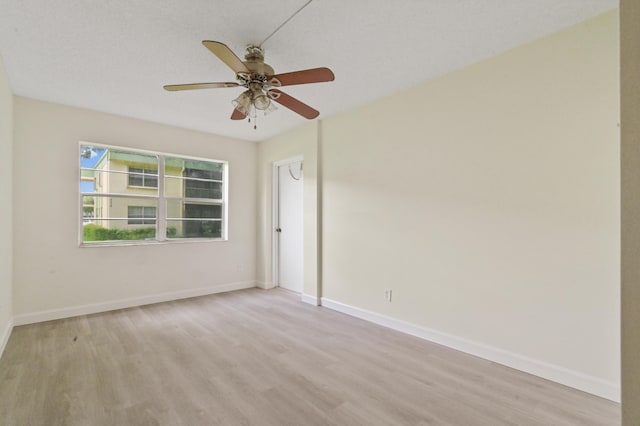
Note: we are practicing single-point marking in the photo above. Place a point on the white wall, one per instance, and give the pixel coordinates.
(630, 93)
(301, 141)
(51, 272)
(488, 201)
(6, 239)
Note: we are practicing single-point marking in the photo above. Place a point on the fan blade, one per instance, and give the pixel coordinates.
(315, 75)
(226, 55)
(293, 104)
(237, 115)
(192, 86)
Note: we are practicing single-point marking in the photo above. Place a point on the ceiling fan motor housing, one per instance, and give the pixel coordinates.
(254, 60)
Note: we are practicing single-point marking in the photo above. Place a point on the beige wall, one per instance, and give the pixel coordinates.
(52, 272)
(298, 142)
(6, 240)
(630, 76)
(488, 201)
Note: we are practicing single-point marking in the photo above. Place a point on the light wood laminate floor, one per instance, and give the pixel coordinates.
(263, 358)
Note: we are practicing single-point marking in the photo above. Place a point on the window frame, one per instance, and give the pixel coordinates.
(161, 198)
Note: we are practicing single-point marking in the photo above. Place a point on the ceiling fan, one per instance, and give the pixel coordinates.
(260, 81)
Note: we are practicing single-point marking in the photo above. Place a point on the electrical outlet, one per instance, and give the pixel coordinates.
(387, 294)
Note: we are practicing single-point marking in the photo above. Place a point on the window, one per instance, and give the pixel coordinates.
(194, 191)
(143, 177)
(130, 196)
(141, 215)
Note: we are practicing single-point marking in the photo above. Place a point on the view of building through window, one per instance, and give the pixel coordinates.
(130, 195)
(143, 177)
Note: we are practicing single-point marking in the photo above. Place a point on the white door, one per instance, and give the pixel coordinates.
(289, 226)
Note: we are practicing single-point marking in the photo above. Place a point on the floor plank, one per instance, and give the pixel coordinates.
(256, 357)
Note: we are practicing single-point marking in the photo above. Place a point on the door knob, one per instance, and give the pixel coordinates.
(278, 229)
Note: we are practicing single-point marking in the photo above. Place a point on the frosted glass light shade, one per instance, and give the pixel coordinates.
(261, 101)
(243, 102)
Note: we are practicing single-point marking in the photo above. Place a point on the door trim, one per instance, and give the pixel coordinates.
(275, 215)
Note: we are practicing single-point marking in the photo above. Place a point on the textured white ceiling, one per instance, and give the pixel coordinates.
(115, 55)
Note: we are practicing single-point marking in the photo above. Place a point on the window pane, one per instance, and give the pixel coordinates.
(88, 209)
(89, 157)
(173, 186)
(193, 178)
(194, 228)
(118, 218)
(177, 209)
(133, 159)
(207, 211)
(118, 172)
(141, 215)
(191, 220)
(197, 168)
(192, 188)
(201, 189)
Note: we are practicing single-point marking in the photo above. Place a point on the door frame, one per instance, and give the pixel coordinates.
(275, 216)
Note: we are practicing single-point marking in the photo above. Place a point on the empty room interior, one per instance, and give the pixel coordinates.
(320, 212)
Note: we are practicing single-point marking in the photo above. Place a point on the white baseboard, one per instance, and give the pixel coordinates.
(94, 308)
(312, 300)
(571, 378)
(265, 285)
(5, 337)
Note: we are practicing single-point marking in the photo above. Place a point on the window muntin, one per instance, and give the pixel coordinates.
(133, 196)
